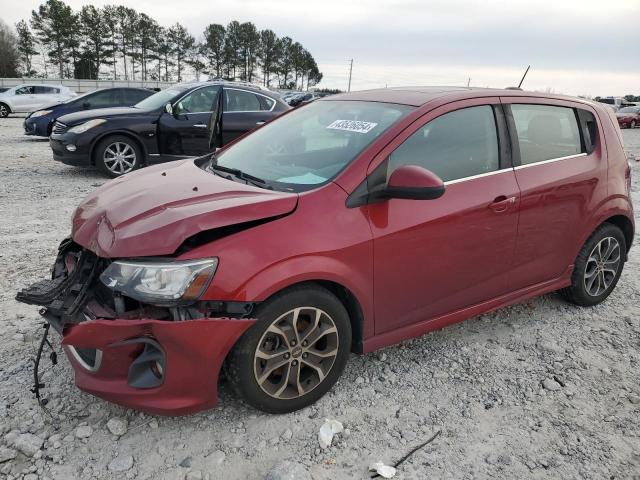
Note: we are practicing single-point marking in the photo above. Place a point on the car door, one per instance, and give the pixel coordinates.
(559, 168)
(243, 111)
(24, 99)
(186, 130)
(434, 257)
(43, 96)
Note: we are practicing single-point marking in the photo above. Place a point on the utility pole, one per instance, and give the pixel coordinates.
(468, 81)
(350, 70)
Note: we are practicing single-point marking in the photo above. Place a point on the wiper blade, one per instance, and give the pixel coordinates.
(238, 173)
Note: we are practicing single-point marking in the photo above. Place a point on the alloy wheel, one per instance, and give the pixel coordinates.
(296, 353)
(119, 158)
(4, 112)
(602, 266)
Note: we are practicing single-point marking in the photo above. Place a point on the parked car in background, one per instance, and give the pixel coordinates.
(614, 102)
(3, 89)
(31, 96)
(40, 122)
(354, 223)
(182, 121)
(628, 117)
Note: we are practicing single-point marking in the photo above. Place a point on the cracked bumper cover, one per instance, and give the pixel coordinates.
(194, 351)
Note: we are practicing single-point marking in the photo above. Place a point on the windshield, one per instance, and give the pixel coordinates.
(311, 145)
(80, 97)
(158, 100)
(629, 110)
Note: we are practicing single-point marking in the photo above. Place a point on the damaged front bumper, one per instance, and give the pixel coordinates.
(167, 367)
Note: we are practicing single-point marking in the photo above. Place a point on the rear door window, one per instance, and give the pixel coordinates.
(243, 101)
(546, 132)
(131, 97)
(456, 145)
(104, 98)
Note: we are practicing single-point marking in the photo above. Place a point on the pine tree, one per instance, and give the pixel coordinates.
(54, 22)
(26, 47)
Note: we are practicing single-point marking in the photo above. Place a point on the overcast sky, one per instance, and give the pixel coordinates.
(574, 46)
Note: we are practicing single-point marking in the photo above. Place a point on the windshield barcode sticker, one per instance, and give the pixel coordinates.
(352, 126)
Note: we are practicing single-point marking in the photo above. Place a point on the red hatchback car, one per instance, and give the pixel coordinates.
(350, 224)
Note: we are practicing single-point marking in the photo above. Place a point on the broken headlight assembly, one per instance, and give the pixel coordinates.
(160, 283)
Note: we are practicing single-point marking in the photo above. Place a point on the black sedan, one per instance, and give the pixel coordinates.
(40, 122)
(182, 121)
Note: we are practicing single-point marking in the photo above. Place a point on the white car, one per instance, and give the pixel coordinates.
(31, 96)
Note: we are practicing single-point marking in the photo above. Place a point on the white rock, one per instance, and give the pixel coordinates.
(7, 454)
(385, 471)
(117, 426)
(287, 470)
(217, 457)
(84, 431)
(121, 463)
(193, 475)
(328, 429)
(551, 384)
(26, 443)
(287, 434)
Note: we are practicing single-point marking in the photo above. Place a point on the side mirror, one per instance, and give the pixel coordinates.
(412, 182)
(168, 108)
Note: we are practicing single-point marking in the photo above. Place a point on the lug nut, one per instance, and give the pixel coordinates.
(305, 355)
(304, 344)
(286, 355)
(294, 363)
(293, 343)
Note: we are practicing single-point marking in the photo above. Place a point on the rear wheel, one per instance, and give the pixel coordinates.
(294, 353)
(4, 110)
(116, 155)
(598, 267)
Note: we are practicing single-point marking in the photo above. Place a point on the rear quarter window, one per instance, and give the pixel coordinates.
(546, 132)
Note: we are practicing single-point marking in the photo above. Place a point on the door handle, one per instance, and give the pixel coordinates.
(200, 125)
(502, 203)
(261, 122)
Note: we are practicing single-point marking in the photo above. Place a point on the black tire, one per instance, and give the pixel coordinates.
(242, 364)
(4, 110)
(579, 293)
(110, 147)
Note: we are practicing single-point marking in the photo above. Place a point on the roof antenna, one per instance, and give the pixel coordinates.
(525, 74)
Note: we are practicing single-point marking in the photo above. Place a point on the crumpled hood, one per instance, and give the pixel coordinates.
(152, 211)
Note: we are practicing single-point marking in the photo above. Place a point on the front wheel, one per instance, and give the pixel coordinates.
(4, 110)
(598, 267)
(294, 353)
(116, 155)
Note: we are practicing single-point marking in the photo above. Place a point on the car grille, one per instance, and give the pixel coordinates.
(59, 128)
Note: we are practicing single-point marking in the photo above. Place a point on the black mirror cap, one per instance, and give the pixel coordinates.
(414, 193)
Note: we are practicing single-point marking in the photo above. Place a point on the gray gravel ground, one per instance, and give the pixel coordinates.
(539, 390)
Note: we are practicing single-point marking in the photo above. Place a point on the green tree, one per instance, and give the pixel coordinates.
(267, 54)
(194, 59)
(182, 43)
(147, 29)
(9, 56)
(112, 25)
(214, 48)
(248, 42)
(285, 61)
(54, 22)
(164, 51)
(26, 48)
(95, 38)
(232, 48)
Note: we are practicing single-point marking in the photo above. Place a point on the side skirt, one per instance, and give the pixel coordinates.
(417, 329)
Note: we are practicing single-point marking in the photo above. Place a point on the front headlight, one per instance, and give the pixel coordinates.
(40, 113)
(83, 127)
(160, 283)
